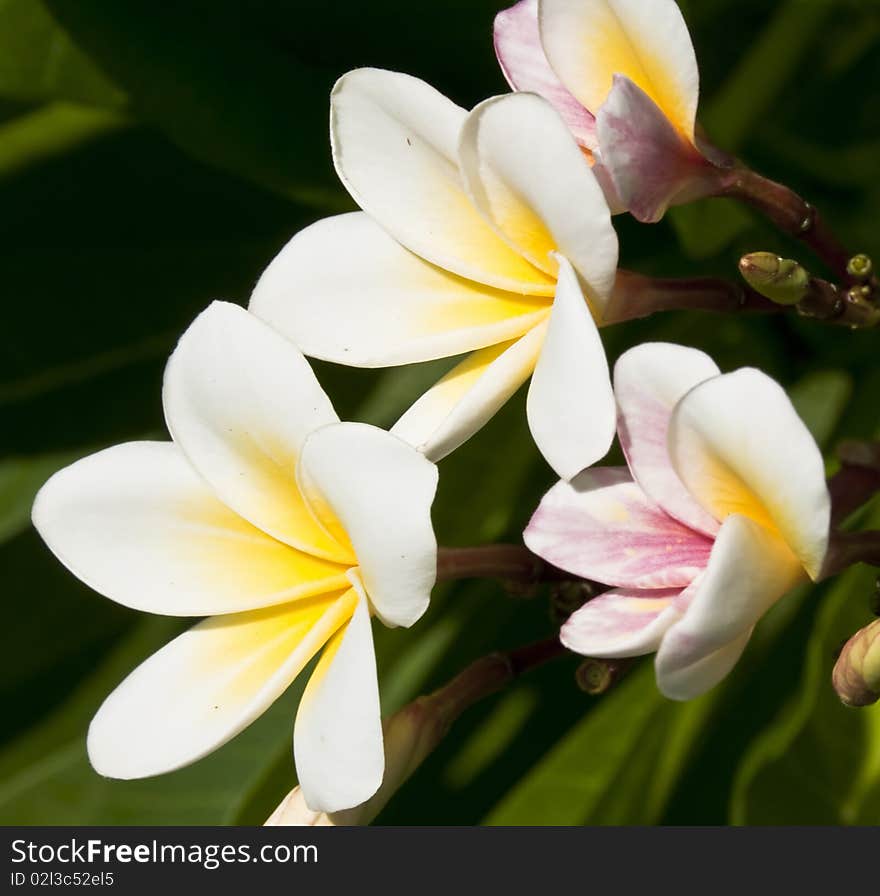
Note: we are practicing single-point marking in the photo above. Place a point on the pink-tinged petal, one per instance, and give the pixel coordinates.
(649, 381)
(749, 570)
(621, 623)
(602, 526)
(651, 165)
(521, 57)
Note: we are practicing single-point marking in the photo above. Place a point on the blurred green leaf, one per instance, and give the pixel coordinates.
(49, 131)
(20, 480)
(820, 399)
(223, 92)
(817, 763)
(38, 61)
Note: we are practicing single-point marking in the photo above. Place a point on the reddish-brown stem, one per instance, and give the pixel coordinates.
(857, 480)
(503, 562)
(848, 548)
(636, 296)
(787, 211)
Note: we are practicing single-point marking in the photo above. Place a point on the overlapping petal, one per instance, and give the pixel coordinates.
(345, 291)
(464, 400)
(650, 163)
(379, 490)
(749, 570)
(649, 381)
(137, 524)
(239, 401)
(621, 623)
(587, 42)
(571, 409)
(602, 526)
(739, 446)
(208, 684)
(337, 741)
(395, 146)
(527, 176)
(521, 56)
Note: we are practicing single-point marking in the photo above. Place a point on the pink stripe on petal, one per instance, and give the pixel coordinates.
(521, 56)
(649, 381)
(602, 526)
(621, 623)
(651, 164)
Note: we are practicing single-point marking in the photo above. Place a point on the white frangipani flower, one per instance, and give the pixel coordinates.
(482, 233)
(286, 527)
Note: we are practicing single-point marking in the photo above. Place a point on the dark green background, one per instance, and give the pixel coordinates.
(154, 157)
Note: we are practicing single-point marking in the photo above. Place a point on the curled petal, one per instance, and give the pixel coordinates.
(622, 623)
(140, 526)
(527, 176)
(395, 146)
(649, 381)
(739, 446)
(589, 41)
(571, 408)
(750, 568)
(345, 291)
(602, 526)
(649, 162)
(522, 59)
(209, 684)
(337, 739)
(378, 490)
(464, 400)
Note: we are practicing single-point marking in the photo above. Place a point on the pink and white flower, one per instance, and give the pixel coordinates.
(623, 74)
(723, 508)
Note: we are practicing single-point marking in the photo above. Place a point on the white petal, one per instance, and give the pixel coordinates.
(749, 570)
(209, 684)
(395, 144)
(464, 400)
(589, 41)
(137, 524)
(345, 291)
(530, 180)
(240, 401)
(337, 739)
(705, 673)
(521, 56)
(621, 623)
(571, 407)
(380, 490)
(649, 381)
(739, 446)
(602, 526)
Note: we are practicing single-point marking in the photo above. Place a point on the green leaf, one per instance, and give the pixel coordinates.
(38, 61)
(217, 88)
(820, 399)
(819, 762)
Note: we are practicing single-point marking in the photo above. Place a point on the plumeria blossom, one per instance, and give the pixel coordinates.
(724, 507)
(482, 234)
(285, 527)
(623, 74)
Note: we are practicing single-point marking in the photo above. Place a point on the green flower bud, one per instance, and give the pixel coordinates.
(856, 675)
(781, 280)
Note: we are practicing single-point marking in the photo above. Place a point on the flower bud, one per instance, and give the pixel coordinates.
(856, 675)
(781, 280)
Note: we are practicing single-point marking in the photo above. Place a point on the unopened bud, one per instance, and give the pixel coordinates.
(781, 280)
(860, 267)
(856, 675)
